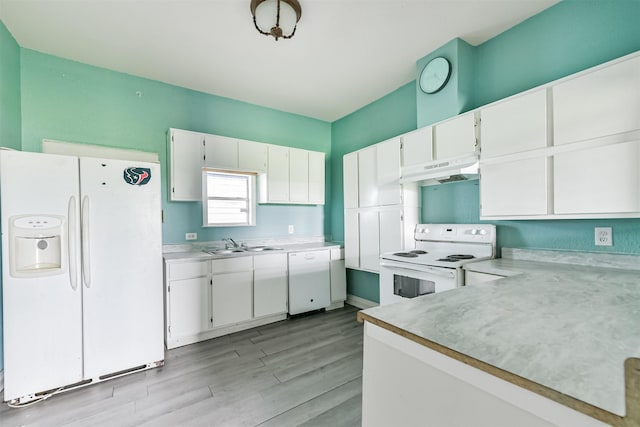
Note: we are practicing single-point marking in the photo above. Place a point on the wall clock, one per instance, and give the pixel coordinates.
(435, 75)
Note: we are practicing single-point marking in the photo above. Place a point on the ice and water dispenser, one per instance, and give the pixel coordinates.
(36, 245)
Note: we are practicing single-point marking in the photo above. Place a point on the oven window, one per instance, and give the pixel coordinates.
(410, 287)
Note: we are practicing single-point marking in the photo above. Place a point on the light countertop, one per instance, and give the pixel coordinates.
(187, 253)
(566, 326)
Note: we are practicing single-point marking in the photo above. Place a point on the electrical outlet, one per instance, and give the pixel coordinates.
(291, 229)
(604, 236)
(191, 236)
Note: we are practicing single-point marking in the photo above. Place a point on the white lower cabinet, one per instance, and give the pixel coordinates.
(187, 301)
(231, 290)
(338, 279)
(270, 284)
(207, 298)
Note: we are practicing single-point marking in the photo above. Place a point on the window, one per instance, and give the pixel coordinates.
(228, 198)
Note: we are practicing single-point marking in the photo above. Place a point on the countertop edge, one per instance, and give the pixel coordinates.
(632, 378)
(194, 255)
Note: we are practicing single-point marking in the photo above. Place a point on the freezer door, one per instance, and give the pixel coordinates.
(42, 298)
(122, 265)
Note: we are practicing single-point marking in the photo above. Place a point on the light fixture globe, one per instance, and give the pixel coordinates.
(277, 18)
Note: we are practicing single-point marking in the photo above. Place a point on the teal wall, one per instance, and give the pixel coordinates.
(457, 95)
(10, 130)
(564, 39)
(70, 101)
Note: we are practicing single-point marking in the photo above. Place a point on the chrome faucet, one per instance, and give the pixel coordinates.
(230, 243)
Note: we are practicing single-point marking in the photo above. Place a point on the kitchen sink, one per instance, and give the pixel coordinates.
(232, 251)
(261, 248)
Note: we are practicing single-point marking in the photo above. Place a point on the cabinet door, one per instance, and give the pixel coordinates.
(388, 188)
(351, 238)
(278, 174)
(189, 311)
(338, 276)
(417, 147)
(603, 180)
(350, 180)
(252, 156)
(186, 152)
(367, 177)
(316, 177)
(514, 188)
(369, 240)
(455, 137)
(515, 125)
(220, 152)
(603, 102)
(298, 175)
(391, 230)
(270, 284)
(231, 298)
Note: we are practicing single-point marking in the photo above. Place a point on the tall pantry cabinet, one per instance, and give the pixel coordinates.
(379, 212)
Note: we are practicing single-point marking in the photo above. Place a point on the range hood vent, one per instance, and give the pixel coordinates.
(442, 171)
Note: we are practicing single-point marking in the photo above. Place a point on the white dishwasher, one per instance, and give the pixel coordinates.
(309, 281)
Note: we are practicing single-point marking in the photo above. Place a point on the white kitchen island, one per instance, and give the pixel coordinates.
(556, 343)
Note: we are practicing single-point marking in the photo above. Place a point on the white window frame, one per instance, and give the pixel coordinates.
(251, 199)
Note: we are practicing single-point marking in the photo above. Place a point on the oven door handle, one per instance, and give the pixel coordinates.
(423, 269)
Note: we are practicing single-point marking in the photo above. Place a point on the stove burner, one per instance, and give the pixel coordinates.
(455, 257)
(406, 254)
(418, 251)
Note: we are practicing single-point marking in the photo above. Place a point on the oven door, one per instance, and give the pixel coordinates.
(404, 280)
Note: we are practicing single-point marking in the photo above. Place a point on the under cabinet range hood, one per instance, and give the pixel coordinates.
(442, 171)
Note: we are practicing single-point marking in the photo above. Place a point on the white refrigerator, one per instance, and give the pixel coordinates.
(81, 270)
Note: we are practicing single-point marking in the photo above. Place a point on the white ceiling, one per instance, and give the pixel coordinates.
(344, 55)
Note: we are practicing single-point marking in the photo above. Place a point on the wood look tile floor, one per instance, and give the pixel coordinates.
(302, 371)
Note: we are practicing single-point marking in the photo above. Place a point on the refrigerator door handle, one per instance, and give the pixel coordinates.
(86, 258)
(71, 243)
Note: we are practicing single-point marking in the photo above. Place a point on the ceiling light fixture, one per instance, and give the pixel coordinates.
(277, 18)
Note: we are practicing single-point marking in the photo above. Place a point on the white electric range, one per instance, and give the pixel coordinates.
(435, 265)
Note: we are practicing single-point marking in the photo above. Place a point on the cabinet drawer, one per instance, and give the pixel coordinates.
(230, 265)
(276, 261)
(187, 270)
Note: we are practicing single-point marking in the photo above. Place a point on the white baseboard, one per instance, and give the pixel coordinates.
(360, 303)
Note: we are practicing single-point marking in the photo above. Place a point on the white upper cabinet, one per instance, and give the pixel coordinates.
(455, 137)
(417, 147)
(514, 188)
(605, 179)
(350, 180)
(379, 174)
(277, 188)
(300, 180)
(252, 156)
(388, 173)
(367, 177)
(293, 176)
(220, 152)
(185, 157)
(316, 177)
(516, 125)
(298, 175)
(600, 103)
(568, 150)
